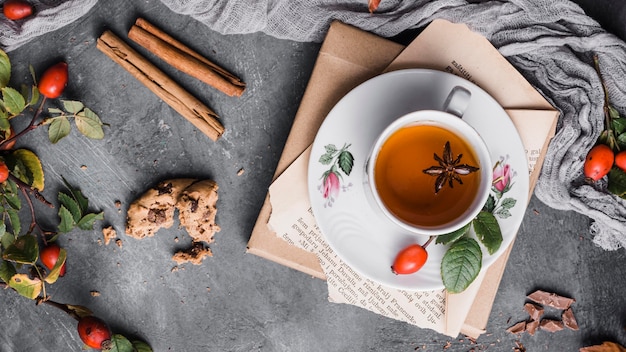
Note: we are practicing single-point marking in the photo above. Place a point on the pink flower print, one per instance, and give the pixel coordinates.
(501, 177)
(330, 185)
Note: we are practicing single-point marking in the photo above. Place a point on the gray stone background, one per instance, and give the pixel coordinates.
(237, 301)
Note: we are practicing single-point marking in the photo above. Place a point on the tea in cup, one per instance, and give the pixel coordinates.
(430, 172)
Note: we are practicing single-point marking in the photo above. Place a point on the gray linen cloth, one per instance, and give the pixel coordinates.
(550, 42)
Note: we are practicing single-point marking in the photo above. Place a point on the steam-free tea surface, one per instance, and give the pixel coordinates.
(408, 192)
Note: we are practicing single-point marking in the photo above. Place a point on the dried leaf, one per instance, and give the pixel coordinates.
(604, 347)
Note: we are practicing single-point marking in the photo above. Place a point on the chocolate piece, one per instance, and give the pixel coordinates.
(531, 327)
(551, 299)
(551, 325)
(569, 320)
(517, 328)
(534, 310)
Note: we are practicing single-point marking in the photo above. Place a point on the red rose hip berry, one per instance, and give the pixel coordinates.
(17, 9)
(598, 162)
(409, 260)
(620, 160)
(93, 331)
(49, 256)
(4, 172)
(53, 81)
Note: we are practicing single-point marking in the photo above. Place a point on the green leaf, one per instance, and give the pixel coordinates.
(7, 238)
(59, 128)
(72, 106)
(141, 346)
(55, 272)
(617, 182)
(83, 202)
(488, 231)
(67, 220)
(490, 204)
(14, 102)
(11, 195)
(330, 149)
(5, 117)
(5, 69)
(118, 343)
(503, 213)
(461, 264)
(7, 270)
(14, 219)
(86, 223)
(619, 125)
(71, 205)
(453, 236)
(621, 141)
(89, 124)
(508, 203)
(25, 250)
(25, 286)
(55, 111)
(346, 161)
(34, 95)
(26, 166)
(326, 159)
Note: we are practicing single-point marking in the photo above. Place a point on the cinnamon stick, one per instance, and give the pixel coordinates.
(160, 84)
(184, 58)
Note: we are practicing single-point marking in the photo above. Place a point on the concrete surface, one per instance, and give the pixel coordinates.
(237, 301)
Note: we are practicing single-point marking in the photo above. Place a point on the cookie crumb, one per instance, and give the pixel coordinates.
(94, 293)
(83, 167)
(240, 172)
(194, 255)
(118, 242)
(109, 234)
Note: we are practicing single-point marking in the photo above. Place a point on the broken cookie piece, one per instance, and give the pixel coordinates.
(197, 209)
(193, 255)
(155, 208)
(109, 234)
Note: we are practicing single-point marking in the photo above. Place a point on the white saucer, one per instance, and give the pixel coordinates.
(357, 231)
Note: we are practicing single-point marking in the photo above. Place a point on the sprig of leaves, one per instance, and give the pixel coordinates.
(74, 211)
(461, 264)
(87, 122)
(340, 158)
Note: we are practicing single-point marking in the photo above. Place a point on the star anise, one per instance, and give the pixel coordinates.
(449, 169)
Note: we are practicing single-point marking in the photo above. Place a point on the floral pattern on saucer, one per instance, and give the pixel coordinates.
(502, 182)
(340, 161)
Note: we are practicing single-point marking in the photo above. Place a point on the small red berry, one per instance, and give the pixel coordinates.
(620, 160)
(598, 162)
(93, 331)
(4, 172)
(409, 260)
(49, 256)
(53, 81)
(17, 9)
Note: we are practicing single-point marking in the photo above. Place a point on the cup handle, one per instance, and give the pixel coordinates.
(457, 101)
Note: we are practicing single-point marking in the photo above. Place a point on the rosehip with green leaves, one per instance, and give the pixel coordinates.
(17, 9)
(598, 162)
(409, 260)
(49, 256)
(53, 81)
(93, 331)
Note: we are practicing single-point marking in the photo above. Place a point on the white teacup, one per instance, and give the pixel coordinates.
(415, 173)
